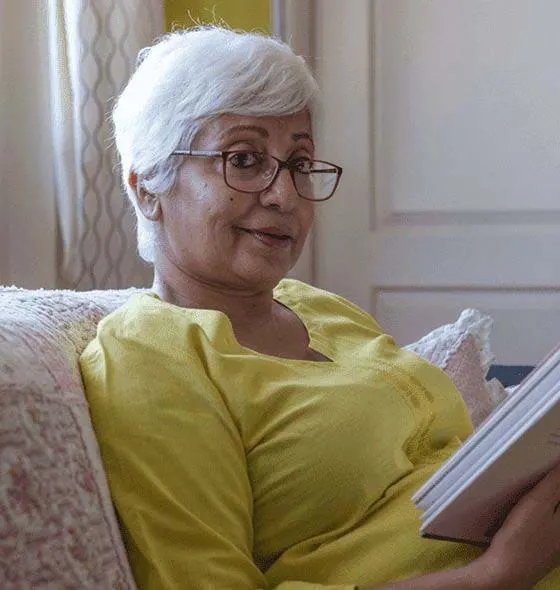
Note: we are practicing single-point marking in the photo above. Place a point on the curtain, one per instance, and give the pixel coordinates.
(92, 52)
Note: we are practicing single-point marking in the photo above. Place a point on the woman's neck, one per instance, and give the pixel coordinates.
(244, 307)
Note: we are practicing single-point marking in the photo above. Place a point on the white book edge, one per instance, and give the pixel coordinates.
(502, 436)
(524, 394)
(475, 511)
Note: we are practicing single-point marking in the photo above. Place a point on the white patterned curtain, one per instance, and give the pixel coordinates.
(93, 48)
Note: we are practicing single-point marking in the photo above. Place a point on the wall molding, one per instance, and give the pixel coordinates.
(294, 22)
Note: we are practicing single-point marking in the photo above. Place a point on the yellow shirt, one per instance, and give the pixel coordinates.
(232, 469)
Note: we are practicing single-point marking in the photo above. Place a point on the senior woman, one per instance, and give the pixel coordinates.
(258, 432)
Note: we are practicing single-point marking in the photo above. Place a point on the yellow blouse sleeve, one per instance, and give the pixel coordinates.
(176, 468)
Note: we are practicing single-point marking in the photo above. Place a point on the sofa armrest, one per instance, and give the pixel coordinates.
(55, 507)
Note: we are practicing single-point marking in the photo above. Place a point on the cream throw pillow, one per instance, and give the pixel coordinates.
(462, 350)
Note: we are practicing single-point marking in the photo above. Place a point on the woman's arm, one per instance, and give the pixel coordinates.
(459, 579)
(524, 550)
(176, 466)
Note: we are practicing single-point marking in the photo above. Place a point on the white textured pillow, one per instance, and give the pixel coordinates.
(462, 350)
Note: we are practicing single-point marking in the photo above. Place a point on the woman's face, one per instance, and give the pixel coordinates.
(222, 237)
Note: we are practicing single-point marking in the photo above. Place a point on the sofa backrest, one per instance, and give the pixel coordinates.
(57, 523)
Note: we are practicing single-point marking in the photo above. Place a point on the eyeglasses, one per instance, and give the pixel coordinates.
(252, 172)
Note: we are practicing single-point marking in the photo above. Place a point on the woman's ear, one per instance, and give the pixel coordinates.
(147, 202)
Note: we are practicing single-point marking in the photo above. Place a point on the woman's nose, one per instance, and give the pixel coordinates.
(281, 193)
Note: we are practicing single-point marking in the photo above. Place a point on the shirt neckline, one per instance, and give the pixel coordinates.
(315, 341)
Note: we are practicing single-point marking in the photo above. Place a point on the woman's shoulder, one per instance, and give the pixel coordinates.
(145, 313)
(145, 323)
(295, 291)
(321, 303)
(148, 341)
(123, 325)
(136, 314)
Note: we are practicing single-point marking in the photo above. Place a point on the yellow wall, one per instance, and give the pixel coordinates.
(239, 14)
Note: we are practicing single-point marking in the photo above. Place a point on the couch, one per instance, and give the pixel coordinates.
(58, 529)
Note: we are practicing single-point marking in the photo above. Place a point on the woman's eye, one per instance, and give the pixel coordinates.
(245, 159)
(303, 165)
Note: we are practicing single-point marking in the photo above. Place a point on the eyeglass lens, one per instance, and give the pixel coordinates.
(251, 172)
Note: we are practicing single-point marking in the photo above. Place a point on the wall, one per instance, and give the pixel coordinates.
(238, 14)
(27, 201)
(444, 116)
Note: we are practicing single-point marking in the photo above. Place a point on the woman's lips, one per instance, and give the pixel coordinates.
(274, 241)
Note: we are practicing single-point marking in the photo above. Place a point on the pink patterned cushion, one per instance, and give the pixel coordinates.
(57, 524)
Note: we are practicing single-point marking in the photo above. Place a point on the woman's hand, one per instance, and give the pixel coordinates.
(527, 546)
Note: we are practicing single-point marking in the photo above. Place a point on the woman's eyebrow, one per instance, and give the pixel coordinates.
(302, 135)
(232, 130)
(262, 132)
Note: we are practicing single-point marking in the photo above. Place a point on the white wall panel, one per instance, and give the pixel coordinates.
(27, 202)
(467, 98)
(526, 324)
(445, 117)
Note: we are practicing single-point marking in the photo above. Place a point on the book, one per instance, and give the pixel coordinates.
(470, 496)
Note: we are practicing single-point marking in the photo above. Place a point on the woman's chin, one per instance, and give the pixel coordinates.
(267, 276)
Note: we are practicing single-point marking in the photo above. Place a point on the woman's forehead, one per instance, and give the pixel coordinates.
(292, 127)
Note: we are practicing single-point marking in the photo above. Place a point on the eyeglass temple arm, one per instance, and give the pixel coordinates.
(195, 153)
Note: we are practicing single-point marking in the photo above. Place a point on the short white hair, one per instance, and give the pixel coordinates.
(187, 79)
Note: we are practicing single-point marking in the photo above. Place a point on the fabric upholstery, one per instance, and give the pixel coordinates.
(57, 524)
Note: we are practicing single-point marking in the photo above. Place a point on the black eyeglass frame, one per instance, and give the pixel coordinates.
(289, 165)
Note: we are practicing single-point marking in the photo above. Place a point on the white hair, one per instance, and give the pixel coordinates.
(187, 79)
